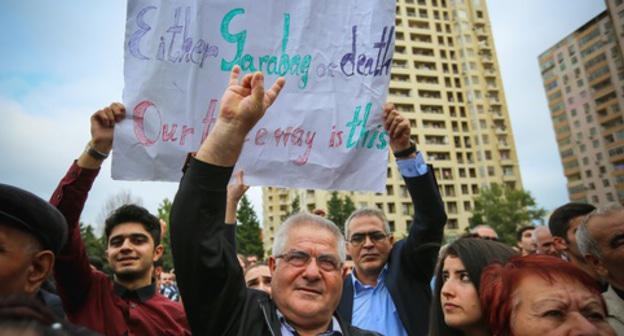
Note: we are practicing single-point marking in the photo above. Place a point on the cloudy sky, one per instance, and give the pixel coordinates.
(62, 60)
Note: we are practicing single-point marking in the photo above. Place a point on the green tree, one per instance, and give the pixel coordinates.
(248, 234)
(295, 206)
(164, 211)
(94, 245)
(348, 207)
(505, 209)
(338, 209)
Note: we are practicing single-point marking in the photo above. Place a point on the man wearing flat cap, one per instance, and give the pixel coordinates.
(31, 233)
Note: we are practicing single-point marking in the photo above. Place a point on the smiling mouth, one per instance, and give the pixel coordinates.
(124, 260)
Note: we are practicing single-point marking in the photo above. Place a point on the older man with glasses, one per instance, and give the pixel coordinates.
(308, 252)
(389, 291)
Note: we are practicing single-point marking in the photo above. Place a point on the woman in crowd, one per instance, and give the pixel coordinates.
(456, 309)
(542, 295)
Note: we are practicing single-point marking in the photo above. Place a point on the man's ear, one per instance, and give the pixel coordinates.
(272, 265)
(391, 238)
(40, 269)
(560, 244)
(345, 272)
(158, 252)
(597, 266)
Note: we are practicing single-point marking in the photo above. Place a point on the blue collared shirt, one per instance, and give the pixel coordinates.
(288, 330)
(413, 167)
(373, 308)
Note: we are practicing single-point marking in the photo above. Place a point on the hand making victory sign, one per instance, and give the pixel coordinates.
(242, 105)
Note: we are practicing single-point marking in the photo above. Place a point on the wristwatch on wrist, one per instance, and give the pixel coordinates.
(406, 152)
(94, 153)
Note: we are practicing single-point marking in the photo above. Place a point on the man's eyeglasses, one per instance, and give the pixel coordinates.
(359, 238)
(325, 262)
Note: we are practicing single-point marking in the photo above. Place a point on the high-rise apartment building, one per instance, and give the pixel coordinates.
(583, 76)
(446, 80)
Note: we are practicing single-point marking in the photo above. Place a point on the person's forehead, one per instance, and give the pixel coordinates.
(527, 233)
(360, 223)
(452, 262)
(129, 228)
(311, 238)
(534, 289)
(257, 272)
(9, 233)
(575, 222)
(485, 231)
(604, 227)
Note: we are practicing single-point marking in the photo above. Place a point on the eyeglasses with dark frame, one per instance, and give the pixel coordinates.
(358, 239)
(326, 262)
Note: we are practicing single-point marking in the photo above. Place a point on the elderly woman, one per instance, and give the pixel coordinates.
(456, 309)
(542, 295)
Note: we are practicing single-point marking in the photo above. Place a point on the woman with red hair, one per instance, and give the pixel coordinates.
(542, 295)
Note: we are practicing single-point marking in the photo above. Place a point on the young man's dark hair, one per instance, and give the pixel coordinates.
(521, 231)
(134, 213)
(559, 221)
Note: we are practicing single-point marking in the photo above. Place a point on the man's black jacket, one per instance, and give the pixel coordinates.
(210, 279)
(412, 260)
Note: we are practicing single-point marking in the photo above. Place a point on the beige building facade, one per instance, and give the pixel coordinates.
(583, 76)
(445, 78)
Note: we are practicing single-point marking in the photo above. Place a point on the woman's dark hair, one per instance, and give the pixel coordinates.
(475, 254)
(133, 213)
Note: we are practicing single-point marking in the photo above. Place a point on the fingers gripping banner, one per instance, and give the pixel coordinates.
(325, 130)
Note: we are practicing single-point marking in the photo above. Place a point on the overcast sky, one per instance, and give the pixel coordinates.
(62, 60)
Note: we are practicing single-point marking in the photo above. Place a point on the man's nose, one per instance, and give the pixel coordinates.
(368, 241)
(312, 272)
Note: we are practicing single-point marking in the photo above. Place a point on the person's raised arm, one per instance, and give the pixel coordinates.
(235, 191)
(72, 269)
(425, 234)
(209, 276)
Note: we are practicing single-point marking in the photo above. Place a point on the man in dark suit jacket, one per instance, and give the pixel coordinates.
(389, 291)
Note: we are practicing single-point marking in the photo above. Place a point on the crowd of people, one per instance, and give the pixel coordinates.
(566, 278)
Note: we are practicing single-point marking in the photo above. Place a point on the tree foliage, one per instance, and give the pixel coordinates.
(94, 245)
(339, 209)
(248, 234)
(115, 201)
(164, 211)
(505, 209)
(295, 206)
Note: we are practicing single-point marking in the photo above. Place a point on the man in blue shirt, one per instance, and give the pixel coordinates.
(388, 291)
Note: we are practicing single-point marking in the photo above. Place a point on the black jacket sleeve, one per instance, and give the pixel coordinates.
(422, 244)
(209, 276)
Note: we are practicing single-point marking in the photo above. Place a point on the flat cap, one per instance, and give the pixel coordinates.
(28, 212)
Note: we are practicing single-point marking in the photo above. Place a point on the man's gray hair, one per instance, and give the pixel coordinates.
(537, 229)
(586, 243)
(476, 229)
(306, 219)
(374, 212)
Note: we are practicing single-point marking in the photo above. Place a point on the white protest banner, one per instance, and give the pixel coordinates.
(325, 130)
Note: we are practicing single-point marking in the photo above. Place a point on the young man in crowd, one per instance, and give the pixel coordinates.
(600, 239)
(128, 304)
(389, 284)
(308, 252)
(563, 224)
(524, 240)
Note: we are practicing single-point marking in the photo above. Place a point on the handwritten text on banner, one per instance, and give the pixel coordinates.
(325, 130)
